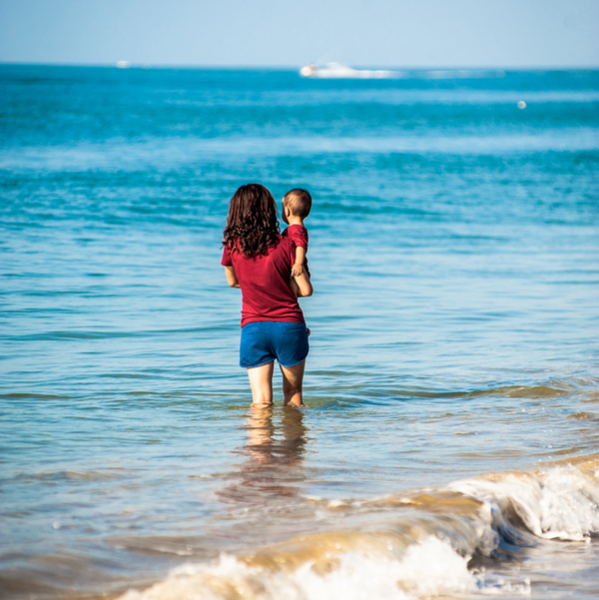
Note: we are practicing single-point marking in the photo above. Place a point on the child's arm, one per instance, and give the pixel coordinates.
(298, 267)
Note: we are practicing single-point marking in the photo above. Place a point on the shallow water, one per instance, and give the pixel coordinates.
(451, 443)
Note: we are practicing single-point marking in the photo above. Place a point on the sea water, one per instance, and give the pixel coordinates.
(451, 446)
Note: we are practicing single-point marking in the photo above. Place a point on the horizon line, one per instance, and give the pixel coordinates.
(287, 67)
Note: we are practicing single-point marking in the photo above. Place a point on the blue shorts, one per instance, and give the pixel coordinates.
(264, 341)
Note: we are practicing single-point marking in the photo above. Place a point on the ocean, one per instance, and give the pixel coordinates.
(451, 444)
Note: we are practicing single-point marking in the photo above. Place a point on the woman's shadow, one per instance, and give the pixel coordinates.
(272, 470)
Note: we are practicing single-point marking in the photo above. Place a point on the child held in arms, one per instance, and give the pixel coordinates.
(296, 207)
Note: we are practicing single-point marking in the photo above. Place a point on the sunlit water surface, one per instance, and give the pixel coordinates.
(452, 442)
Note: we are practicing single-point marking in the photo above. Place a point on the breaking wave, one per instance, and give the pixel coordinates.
(408, 547)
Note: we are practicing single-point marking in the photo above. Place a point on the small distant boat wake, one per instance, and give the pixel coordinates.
(334, 70)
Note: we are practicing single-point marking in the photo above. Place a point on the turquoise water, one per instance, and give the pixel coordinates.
(454, 253)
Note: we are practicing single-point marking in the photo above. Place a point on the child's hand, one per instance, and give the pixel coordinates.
(297, 270)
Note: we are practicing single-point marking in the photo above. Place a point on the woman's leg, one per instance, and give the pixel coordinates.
(261, 384)
(293, 378)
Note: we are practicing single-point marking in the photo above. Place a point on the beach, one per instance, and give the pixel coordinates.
(451, 445)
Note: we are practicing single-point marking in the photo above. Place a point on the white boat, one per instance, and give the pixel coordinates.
(335, 70)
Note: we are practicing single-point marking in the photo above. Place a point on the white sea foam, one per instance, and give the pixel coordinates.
(558, 502)
(429, 568)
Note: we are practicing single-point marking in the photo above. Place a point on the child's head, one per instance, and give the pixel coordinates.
(299, 202)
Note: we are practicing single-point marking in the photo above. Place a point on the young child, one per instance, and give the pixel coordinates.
(296, 207)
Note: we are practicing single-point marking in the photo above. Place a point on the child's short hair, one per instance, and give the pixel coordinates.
(299, 202)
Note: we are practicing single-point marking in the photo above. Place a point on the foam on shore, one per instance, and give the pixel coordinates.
(423, 552)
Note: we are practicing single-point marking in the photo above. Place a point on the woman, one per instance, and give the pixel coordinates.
(258, 260)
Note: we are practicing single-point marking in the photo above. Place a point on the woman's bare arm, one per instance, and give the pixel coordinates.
(302, 286)
(231, 277)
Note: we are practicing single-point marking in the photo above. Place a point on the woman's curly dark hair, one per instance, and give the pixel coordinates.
(252, 224)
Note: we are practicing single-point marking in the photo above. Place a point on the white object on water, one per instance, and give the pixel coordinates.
(334, 70)
(521, 104)
(123, 64)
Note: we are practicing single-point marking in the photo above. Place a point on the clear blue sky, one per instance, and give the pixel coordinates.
(394, 33)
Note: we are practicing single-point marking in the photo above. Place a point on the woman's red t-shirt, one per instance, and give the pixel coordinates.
(264, 282)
